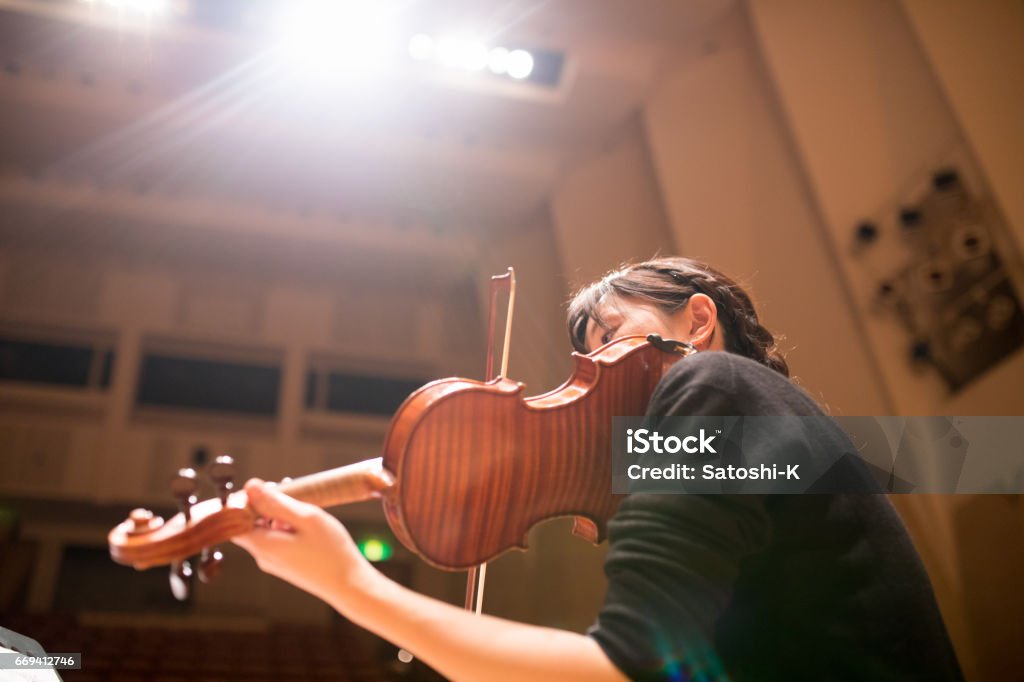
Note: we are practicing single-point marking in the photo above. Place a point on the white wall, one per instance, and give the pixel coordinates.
(737, 197)
(608, 209)
(870, 123)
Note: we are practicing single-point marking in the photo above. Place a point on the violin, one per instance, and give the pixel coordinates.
(468, 467)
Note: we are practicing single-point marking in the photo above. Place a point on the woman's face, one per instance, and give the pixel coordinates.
(627, 316)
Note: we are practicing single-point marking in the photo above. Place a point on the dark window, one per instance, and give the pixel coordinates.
(358, 393)
(51, 363)
(170, 381)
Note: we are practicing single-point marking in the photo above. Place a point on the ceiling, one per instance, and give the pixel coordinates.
(183, 109)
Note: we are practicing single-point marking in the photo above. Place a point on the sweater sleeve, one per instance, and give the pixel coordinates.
(673, 559)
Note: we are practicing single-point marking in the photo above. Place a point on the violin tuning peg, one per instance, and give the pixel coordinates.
(222, 473)
(209, 564)
(143, 521)
(183, 488)
(181, 579)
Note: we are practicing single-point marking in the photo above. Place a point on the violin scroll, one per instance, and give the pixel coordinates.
(144, 540)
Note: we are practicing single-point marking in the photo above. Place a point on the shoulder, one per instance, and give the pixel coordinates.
(729, 379)
(723, 368)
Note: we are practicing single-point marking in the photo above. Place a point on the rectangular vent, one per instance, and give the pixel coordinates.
(55, 363)
(211, 385)
(336, 391)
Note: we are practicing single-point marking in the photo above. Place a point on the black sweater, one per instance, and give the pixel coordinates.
(764, 587)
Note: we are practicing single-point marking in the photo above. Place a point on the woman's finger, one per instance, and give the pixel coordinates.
(271, 503)
(263, 543)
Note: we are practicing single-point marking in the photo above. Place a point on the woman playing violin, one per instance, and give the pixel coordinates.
(700, 587)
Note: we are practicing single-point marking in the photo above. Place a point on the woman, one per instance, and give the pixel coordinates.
(739, 587)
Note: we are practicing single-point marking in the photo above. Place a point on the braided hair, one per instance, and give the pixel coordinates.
(669, 283)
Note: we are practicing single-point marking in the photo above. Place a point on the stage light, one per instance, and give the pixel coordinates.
(421, 47)
(474, 56)
(461, 53)
(148, 6)
(520, 64)
(336, 37)
(449, 51)
(497, 60)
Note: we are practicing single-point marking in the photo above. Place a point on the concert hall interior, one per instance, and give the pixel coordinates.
(254, 227)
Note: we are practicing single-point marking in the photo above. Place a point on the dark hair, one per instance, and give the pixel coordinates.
(669, 283)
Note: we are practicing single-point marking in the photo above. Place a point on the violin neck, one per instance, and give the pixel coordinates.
(344, 485)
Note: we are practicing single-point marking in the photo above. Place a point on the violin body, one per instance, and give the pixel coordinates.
(468, 467)
(478, 464)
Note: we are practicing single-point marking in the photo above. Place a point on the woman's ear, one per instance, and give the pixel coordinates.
(698, 321)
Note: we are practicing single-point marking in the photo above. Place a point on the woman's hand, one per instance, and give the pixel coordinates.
(310, 549)
(302, 544)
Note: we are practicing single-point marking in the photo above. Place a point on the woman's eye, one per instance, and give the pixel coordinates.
(607, 337)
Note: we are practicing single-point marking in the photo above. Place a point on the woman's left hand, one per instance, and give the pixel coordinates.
(302, 544)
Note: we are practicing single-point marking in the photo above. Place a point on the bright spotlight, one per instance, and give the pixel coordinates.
(421, 47)
(474, 56)
(336, 37)
(448, 51)
(520, 64)
(148, 6)
(461, 53)
(464, 53)
(497, 60)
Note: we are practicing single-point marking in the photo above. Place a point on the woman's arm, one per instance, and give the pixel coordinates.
(318, 555)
